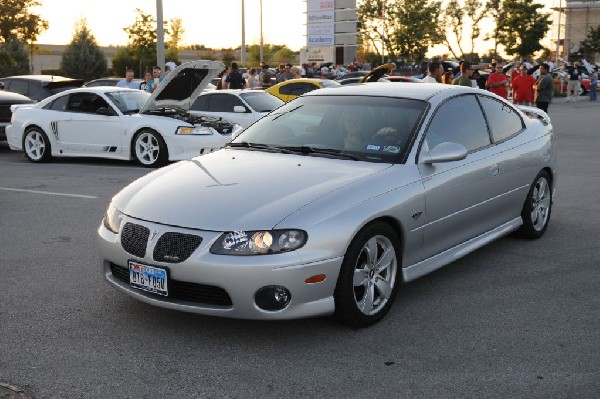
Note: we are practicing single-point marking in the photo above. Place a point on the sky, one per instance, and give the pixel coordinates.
(213, 23)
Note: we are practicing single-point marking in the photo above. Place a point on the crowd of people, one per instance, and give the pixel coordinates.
(526, 90)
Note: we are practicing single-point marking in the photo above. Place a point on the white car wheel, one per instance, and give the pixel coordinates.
(150, 149)
(36, 145)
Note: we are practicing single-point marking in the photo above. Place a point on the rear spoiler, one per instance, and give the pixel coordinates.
(535, 113)
(55, 84)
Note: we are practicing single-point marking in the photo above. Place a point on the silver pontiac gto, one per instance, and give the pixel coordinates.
(329, 203)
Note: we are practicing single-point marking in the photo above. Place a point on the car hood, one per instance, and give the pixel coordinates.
(181, 87)
(232, 190)
(378, 73)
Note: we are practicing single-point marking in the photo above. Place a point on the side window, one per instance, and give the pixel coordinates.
(287, 89)
(60, 104)
(223, 103)
(459, 120)
(85, 102)
(201, 104)
(297, 89)
(19, 86)
(503, 121)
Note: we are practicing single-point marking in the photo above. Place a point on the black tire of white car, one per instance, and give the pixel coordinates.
(369, 276)
(149, 149)
(537, 208)
(36, 145)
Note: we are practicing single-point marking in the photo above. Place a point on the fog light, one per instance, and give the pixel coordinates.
(272, 298)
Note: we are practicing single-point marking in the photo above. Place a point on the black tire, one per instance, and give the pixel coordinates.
(36, 145)
(149, 149)
(537, 208)
(382, 276)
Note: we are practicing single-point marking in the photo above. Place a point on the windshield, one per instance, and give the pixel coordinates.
(375, 129)
(261, 101)
(128, 101)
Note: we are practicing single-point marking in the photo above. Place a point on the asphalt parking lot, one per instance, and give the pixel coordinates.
(516, 319)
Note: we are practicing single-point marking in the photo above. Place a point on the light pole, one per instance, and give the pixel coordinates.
(160, 36)
(243, 52)
(262, 53)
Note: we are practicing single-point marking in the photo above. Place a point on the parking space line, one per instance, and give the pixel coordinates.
(47, 193)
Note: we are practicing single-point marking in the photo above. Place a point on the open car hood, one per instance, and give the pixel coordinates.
(378, 73)
(181, 87)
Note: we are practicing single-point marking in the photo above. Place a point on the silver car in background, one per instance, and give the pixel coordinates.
(329, 203)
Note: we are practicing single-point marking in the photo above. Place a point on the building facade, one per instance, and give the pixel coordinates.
(573, 20)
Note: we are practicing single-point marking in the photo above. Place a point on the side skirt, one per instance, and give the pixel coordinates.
(426, 266)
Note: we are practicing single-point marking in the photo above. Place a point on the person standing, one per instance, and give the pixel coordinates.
(522, 86)
(448, 77)
(574, 83)
(594, 85)
(156, 79)
(434, 73)
(497, 82)
(266, 76)
(543, 88)
(146, 82)
(465, 75)
(235, 78)
(252, 81)
(128, 81)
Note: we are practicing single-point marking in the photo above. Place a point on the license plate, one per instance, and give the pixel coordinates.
(148, 278)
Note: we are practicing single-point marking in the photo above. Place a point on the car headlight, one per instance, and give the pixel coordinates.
(194, 130)
(112, 218)
(258, 242)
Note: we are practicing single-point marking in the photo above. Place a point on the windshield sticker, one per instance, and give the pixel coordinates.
(391, 148)
(373, 147)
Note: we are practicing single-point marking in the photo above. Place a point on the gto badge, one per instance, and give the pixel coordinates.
(153, 235)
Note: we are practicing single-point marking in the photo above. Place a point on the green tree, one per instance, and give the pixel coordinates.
(13, 57)
(176, 32)
(591, 44)
(400, 28)
(82, 58)
(495, 12)
(457, 20)
(522, 27)
(16, 19)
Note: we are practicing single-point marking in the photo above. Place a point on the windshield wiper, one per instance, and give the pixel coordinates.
(131, 111)
(307, 150)
(259, 146)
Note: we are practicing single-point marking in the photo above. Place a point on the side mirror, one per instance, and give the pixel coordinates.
(445, 152)
(104, 111)
(239, 109)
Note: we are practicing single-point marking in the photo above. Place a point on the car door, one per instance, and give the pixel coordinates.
(86, 131)
(459, 195)
(222, 105)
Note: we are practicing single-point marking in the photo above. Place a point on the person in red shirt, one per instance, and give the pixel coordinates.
(523, 87)
(497, 82)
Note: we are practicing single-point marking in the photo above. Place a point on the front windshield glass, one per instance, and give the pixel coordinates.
(375, 129)
(128, 102)
(261, 101)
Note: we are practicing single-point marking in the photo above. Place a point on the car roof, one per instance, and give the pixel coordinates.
(42, 78)
(418, 91)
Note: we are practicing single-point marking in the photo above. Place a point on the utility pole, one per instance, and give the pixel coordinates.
(262, 51)
(160, 36)
(243, 49)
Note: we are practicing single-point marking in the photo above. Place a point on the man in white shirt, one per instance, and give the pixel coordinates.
(434, 73)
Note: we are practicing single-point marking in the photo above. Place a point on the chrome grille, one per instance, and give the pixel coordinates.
(175, 247)
(134, 239)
